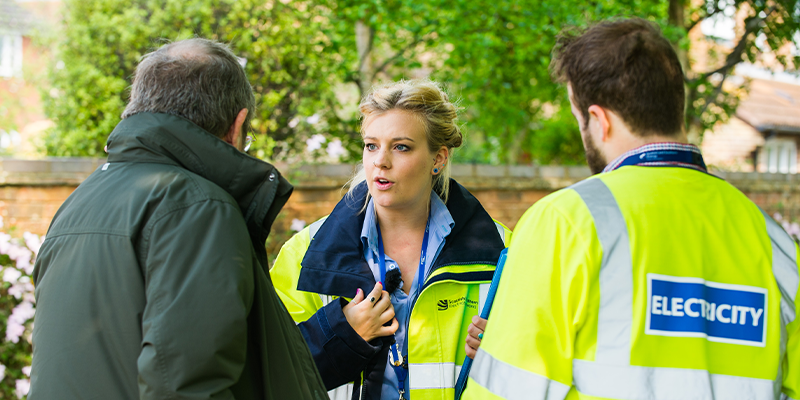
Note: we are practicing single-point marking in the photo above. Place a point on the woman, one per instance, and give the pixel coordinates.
(406, 225)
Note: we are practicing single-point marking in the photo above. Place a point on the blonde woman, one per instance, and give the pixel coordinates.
(405, 227)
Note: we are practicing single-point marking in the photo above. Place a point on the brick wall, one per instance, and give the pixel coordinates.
(32, 191)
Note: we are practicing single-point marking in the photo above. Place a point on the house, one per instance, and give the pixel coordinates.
(23, 68)
(773, 109)
(763, 135)
(15, 23)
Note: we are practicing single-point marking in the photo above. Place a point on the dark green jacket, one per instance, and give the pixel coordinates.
(152, 282)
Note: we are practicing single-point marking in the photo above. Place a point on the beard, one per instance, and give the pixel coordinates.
(595, 160)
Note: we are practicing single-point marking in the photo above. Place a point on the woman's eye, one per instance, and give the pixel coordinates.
(370, 147)
(402, 147)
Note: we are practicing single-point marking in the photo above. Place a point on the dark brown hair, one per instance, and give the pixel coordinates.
(197, 79)
(628, 67)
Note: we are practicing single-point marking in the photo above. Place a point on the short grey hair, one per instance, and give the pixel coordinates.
(197, 79)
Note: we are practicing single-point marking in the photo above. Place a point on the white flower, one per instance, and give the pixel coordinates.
(2, 371)
(335, 149)
(33, 241)
(14, 331)
(21, 254)
(313, 119)
(778, 217)
(25, 265)
(23, 288)
(315, 142)
(27, 370)
(24, 311)
(23, 387)
(293, 123)
(5, 243)
(16, 322)
(794, 229)
(297, 225)
(11, 275)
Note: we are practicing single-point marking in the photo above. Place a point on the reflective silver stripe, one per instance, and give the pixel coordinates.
(433, 375)
(344, 392)
(314, 227)
(502, 231)
(784, 267)
(633, 382)
(326, 299)
(483, 293)
(616, 273)
(510, 382)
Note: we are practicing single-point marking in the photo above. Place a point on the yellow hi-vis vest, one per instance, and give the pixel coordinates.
(438, 322)
(644, 283)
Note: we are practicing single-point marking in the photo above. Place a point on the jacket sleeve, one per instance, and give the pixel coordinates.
(791, 364)
(339, 352)
(199, 287)
(539, 311)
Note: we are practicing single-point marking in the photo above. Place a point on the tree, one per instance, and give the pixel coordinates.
(103, 40)
(763, 28)
(310, 62)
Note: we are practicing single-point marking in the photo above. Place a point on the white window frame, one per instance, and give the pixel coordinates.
(780, 155)
(10, 55)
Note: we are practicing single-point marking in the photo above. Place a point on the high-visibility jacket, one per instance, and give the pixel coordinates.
(320, 268)
(644, 283)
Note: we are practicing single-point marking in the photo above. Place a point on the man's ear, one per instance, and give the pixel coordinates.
(599, 115)
(234, 135)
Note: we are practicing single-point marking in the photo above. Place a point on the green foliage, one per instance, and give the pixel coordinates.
(305, 67)
(103, 40)
(499, 56)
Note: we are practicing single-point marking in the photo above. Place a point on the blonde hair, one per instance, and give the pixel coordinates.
(427, 100)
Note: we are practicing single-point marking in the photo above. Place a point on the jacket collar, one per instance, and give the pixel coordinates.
(257, 186)
(334, 263)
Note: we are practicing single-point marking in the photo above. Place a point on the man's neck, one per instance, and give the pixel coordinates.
(631, 142)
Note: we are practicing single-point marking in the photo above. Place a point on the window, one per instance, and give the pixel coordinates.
(10, 55)
(780, 156)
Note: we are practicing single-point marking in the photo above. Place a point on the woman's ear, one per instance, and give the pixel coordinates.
(440, 160)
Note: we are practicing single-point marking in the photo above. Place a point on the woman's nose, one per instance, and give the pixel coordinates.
(382, 160)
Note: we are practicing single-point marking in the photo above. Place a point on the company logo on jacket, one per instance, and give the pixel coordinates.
(678, 306)
(449, 304)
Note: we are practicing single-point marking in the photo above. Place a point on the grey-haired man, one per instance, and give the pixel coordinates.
(153, 281)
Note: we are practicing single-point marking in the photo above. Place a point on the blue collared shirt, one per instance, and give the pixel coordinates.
(441, 225)
(663, 146)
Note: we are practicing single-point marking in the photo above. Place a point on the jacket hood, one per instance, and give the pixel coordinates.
(334, 263)
(257, 186)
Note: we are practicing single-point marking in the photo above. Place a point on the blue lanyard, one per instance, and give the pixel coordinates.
(676, 157)
(395, 359)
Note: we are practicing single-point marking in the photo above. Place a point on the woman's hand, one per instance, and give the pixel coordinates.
(474, 336)
(367, 314)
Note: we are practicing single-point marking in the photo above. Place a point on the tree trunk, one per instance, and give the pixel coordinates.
(677, 18)
(364, 37)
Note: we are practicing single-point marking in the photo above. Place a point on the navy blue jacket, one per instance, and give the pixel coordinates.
(334, 265)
